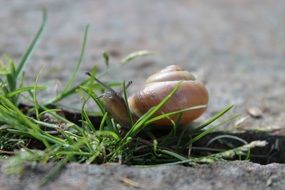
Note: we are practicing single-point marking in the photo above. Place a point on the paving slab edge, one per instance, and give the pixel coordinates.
(227, 175)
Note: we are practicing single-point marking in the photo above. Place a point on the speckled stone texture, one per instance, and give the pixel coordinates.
(224, 175)
(236, 47)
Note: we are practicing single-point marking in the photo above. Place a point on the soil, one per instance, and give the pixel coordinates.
(235, 47)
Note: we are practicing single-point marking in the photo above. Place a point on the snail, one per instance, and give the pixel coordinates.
(189, 94)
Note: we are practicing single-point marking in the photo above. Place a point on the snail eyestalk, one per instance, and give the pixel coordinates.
(108, 87)
(101, 83)
(115, 104)
(126, 87)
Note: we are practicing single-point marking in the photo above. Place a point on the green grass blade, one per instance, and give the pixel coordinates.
(67, 93)
(25, 89)
(173, 154)
(214, 118)
(134, 55)
(143, 119)
(108, 133)
(204, 133)
(101, 127)
(106, 58)
(75, 71)
(34, 95)
(232, 137)
(167, 115)
(86, 119)
(11, 79)
(127, 103)
(29, 51)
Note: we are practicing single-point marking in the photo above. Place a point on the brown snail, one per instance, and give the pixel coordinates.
(189, 94)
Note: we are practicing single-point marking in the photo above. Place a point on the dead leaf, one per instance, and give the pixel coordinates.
(130, 182)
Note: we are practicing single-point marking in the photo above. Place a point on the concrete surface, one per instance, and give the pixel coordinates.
(236, 47)
(224, 175)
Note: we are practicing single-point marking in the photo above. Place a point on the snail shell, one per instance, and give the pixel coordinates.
(189, 94)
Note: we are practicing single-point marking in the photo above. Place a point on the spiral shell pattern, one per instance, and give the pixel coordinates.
(189, 94)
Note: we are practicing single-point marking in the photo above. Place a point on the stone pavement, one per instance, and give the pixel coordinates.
(236, 47)
(223, 175)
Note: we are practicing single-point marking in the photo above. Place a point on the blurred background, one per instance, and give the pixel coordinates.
(237, 48)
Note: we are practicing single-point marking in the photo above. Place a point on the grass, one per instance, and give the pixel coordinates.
(40, 133)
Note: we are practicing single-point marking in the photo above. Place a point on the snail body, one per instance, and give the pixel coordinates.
(189, 94)
(115, 105)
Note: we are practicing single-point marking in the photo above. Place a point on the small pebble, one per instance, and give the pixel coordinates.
(255, 112)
